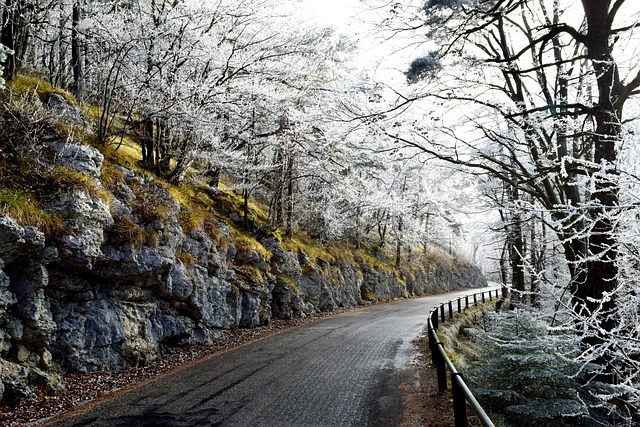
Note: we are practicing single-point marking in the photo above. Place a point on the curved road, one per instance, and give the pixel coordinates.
(342, 371)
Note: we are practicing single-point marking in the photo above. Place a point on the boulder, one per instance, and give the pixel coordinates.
(65, 110)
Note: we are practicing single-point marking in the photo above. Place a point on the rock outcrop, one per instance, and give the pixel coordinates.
(127, 278)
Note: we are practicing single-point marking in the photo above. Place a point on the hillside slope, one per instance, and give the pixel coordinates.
(103, 266)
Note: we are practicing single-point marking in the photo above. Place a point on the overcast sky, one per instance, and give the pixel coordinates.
(385, 56)
(337, 13)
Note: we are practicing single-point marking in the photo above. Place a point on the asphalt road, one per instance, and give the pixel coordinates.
(342, 371)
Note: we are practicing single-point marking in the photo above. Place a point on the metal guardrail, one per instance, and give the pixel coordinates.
(459, 390)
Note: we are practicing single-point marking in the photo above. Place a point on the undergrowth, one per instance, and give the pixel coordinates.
(522, 375)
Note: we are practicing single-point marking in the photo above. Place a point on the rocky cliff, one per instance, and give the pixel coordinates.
(129, 272)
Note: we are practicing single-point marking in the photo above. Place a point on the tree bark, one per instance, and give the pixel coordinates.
(601, 269)
(76, 56)
(516, 249)
(15, 34)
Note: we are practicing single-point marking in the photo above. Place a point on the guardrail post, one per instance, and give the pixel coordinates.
(441, 368)
(433, 343)
(460, 391)
(459, 401)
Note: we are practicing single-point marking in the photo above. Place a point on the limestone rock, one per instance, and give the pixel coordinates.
(65, 109)
(72, 155)
(85, 217)
(282, 262)
(17, 241)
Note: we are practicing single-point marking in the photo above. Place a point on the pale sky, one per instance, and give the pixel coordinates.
(336, 13)
(386, 57)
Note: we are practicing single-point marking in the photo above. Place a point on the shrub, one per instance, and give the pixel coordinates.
(529, 377)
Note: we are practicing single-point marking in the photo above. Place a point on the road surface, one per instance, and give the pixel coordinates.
(345, 370)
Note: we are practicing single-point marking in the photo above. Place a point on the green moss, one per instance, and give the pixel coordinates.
(124, 230)
(25, 85)
(72, 180)
(340, 253)
(367, 295)
(363, 257)
(289, 282)
(123, 150)
(110, 175)
(276, 234)
(25, 209)
(247, 243)
(189, 220)
(92, 112)
(187, 259)
(302, 244)
(250, 274)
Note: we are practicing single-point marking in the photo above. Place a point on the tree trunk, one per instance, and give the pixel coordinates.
(358, 227)
(8, 39)
(245, 206)
(602, 271)
(533, 260)
(504, 271)
(290, 195)
(516, 246)
(76, 57)
(15, 35)
(594, 295)
(426, 233)
(399, 243)
(60, 74)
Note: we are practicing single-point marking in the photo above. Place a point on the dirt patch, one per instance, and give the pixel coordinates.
(424, 405)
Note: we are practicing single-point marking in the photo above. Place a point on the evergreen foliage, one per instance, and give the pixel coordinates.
(423, 67)
(526, 376)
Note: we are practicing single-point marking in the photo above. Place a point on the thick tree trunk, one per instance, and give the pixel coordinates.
(594, 295)
(7, 39)
(504, 271)
(516, 247)
(601, 269)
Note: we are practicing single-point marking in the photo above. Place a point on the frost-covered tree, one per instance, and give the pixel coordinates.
(3, 56)
(543, 85)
